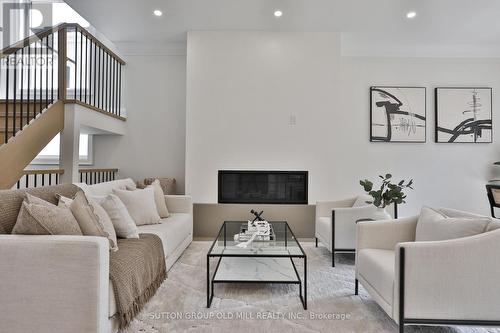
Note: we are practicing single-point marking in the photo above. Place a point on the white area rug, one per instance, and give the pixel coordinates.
(180, 303)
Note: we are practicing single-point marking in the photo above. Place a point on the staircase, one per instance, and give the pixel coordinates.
(38, 77)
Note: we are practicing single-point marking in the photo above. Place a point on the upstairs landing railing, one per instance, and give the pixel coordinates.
(65, 62)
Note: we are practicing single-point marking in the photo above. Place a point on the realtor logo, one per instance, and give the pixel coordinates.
(20, 20)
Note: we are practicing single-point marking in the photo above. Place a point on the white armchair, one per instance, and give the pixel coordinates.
(451, 282)
(335, 225)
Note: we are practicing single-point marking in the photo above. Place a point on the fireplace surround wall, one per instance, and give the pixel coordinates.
(263, 187)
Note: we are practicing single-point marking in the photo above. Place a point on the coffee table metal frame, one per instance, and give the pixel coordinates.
(222, 233)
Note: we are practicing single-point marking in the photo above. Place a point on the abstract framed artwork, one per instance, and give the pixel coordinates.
(397, 114)
(464, 115)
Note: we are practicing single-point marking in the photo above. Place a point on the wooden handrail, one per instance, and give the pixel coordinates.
(43, 172)
(47, 32)
(61, 171)
(89, 106)
(98, 42)
(97, 170)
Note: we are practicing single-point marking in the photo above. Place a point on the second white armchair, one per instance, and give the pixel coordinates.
(445, 282)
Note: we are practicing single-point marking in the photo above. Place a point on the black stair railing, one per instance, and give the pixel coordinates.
(94, 176)
(96, 73)
(47, 177)
(27, 84)
(37, 178)
(66, 63)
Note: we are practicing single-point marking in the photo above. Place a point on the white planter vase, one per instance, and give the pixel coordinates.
(381, 214)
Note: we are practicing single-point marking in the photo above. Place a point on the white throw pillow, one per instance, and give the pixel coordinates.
(140, 205)
(122, 221)
(432, 225)
(161, 205)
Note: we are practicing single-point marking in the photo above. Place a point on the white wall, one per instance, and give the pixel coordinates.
(154, 95)
(242, 88)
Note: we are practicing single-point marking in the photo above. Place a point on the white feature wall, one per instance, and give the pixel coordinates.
(290, 101)
(253, 102)
(154, 94)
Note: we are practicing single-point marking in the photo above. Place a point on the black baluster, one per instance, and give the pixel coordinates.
(43, 179)
(35, 179)
(103, 80)
(120, 92)
(28, 116)
(27, 179)
(47, 72)
(18, 184)
(117, 64)
(95, 72)
(7, 74)
(99, 82)
(50, 179)
(41, 78)
(81, 63)
(86, 66)
(90, 73)
(22, 90)
(52, 68)
(106, 82)
(15, 96)
(34, 82)
(76, 62)
(114, 86)
(57, 178)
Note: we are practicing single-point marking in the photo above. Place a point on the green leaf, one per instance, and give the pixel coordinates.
(367, 185)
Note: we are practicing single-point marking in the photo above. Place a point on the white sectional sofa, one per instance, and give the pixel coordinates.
(61, 283)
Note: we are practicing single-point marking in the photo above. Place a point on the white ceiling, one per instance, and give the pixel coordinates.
(438, 22)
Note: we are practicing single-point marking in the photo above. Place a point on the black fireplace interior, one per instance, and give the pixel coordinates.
(263, 187)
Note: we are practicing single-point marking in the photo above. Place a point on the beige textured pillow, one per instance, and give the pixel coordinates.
(122, 221)
(432, 225)
(140, 205)
(161, 205)
(39, 217)
(36, 200)
(167, 184)
(93, 219)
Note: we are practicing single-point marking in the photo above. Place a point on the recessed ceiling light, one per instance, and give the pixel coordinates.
(157, 12)
(278, 13)
(411, 15)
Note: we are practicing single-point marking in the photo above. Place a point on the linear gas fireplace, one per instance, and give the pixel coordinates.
(263, 187)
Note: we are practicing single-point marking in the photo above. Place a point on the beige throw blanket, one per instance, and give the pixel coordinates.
(137, 269)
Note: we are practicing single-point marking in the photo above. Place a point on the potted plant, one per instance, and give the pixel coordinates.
(387, 194)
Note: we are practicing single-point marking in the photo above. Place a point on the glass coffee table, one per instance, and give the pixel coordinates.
(269, 260)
